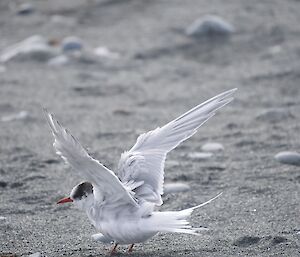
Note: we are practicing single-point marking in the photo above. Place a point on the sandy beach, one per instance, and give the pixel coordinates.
(146, 73)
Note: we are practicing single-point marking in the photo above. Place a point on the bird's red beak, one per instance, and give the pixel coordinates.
(65, 200)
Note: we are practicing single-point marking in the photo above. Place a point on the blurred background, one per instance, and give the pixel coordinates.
(111, 70)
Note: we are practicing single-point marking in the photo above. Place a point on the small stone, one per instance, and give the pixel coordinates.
(275, 50)
(170, 188)
(60, 60)
(199, 155)
(2, 218)
(292, 158)
(209, 25)
(212, 147)
(72, 43)
(274, 116)
(278, 240)
(35, 255)
(23, 115)
(3, 184)
(246, 241)
(103, 51)
(32, 48)
(25, 9)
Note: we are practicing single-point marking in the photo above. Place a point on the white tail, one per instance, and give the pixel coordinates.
(177, 221)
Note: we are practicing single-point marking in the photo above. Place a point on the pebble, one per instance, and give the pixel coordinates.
(2, 218)
(35, 255)
(212, 147)
(71, 43)
(246, 241)
(292, 158)
(60, 60)
(103, 51)
(32, 48)
(25, 9)
(3, 184)
(170, 188)
(209, 25)
(18, 116)
(275, 116)
(200, 155)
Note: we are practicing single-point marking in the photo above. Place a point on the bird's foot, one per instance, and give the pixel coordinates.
(130, 248)
(114, 250)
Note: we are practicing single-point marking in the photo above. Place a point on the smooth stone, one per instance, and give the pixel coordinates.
(170, 188)
(200, 155)
(18, 116)
(60, 60)
(35, 255)
(292, 158)
(32, 48)
(2, 218)
(71, 43)
(103, 51)
(25, 9)
(212, 147)
(209, 25)
(274, 116)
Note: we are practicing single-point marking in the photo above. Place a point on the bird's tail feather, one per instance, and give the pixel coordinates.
(177, 221)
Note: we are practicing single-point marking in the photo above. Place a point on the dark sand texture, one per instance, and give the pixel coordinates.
(162, 73)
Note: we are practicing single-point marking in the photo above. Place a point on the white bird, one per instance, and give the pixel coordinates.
(121, 206)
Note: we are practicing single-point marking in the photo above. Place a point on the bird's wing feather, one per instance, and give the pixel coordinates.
(106, 183)
(142, 167)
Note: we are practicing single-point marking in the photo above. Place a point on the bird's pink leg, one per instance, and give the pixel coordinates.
(130, 248)
(114, 250)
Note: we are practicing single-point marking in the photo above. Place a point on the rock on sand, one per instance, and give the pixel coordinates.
(209, 25)
(292, 158)
(212, 147)
(170, 188)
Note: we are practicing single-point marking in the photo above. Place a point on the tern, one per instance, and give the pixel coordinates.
(121, 205)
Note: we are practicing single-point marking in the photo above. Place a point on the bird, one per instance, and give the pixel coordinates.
(122, 205)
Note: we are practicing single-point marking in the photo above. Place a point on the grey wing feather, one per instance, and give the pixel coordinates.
(142, 167)
(104, 180)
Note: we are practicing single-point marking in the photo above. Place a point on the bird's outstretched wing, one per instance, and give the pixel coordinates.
(142, 167)
(106, 183)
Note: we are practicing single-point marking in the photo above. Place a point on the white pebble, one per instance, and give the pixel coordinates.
(292, 158)
(209, 25)
(103, 51)
(34, 47)
(170, 188)
(35, 255)
(71, 43)
(2, 218)
(60, 60)
(200, 155)
(212, 147)
(18, 116)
